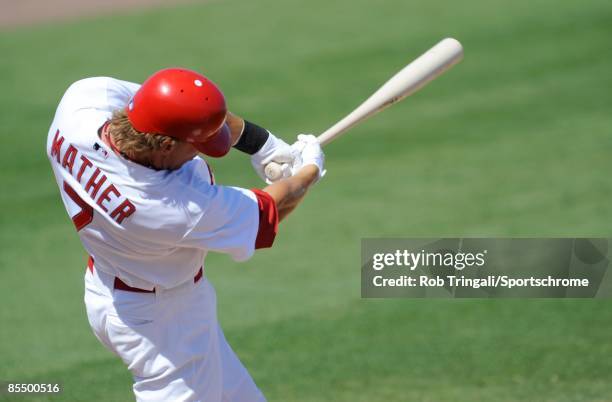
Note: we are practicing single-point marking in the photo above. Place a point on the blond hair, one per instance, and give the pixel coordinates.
(132, 142)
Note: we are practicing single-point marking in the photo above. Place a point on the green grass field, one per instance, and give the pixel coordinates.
(515, 141)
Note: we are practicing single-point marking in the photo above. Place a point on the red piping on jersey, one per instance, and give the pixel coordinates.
(268, 219)
(210, 173)
(109, 137)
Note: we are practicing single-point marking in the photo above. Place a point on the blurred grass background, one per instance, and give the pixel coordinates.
(513, 142)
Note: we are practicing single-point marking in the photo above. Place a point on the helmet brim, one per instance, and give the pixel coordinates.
(218, 144)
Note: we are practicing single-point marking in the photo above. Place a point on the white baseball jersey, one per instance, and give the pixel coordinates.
(151, 228)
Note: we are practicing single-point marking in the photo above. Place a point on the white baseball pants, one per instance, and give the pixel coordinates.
(170, 340)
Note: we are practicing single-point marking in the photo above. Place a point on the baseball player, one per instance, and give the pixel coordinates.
(148, 211)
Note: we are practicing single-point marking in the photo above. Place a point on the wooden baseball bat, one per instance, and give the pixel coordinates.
(407, 81)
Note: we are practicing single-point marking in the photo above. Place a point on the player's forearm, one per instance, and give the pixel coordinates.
(289, 192)
(236, 125)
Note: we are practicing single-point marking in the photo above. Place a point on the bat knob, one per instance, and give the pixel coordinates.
(273, 171)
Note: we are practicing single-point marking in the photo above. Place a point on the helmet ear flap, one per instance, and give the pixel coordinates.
(218, 145)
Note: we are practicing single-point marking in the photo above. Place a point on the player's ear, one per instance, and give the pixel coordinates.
(167, 145)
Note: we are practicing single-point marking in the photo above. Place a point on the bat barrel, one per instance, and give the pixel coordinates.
(407, 81)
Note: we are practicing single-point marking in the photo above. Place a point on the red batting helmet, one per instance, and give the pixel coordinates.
(183, 104)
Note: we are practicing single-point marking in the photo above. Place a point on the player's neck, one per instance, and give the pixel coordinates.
(108, 140)
(157, 160)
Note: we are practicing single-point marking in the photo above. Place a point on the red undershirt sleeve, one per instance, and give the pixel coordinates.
(268, 219)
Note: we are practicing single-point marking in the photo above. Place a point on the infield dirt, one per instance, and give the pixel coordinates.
(30, 12)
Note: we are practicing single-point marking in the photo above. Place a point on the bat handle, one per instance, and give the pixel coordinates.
(274, 171)
(343, 125)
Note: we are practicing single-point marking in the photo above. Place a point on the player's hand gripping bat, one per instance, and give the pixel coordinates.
(407, 81)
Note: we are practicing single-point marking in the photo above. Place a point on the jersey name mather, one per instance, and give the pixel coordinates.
(92, 179)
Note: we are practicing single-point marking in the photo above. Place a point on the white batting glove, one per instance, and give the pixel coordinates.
(310, 153)
(274, 150)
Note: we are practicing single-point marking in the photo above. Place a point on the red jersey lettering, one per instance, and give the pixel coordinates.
(105, 196)
(84, 165)
(92, 183)
(123, 211)
(56, 146)
(69, 157)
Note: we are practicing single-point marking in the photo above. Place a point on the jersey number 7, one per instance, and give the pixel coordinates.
(85, 215)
